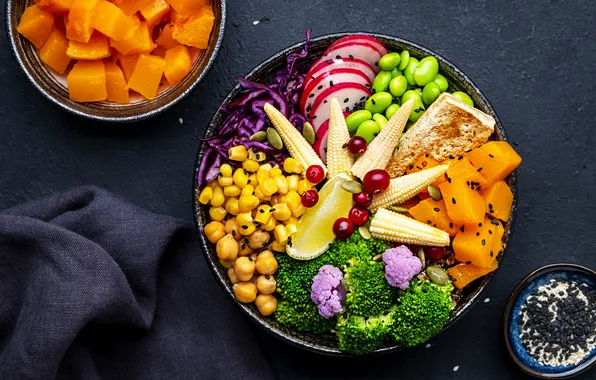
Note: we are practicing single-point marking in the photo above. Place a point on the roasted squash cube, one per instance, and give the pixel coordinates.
(464, 205)
(498, 199)
(159, 51)
(139, 42)
(155, 12)
(498, 230)
(165, 38)
(116, 84)
(146, 76)
(78, 27)
(196, 30)
(187, 7)
(177, 17)
(475, 244)
(53, 51)
(127, 63)
(98, 47)
(112, 22)
(60, 7)
(495, 159)
(36, 25)
(130, 7)
(87, 81)
(435, 214)
(178, 64)
(462, 168)
(463, 274)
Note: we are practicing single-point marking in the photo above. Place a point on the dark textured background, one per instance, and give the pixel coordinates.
(534, 60)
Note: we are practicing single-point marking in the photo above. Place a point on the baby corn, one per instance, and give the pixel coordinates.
(338, 158)
(388, 225)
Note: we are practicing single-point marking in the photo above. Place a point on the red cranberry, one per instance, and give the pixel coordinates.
(310, 198)
(363, 199)
(376, 181)
(343, 228)
(357, 145)
(434, 253)
(358, 216)
(315, 173)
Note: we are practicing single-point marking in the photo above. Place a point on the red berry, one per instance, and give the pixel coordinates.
(310, 198)
(358, 216)
(343, 228)
(315, 173)
(357, 145)
(362, 200)
(376, 181)
(434, 253)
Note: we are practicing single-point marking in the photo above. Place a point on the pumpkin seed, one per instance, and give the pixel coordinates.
(378, 257)
(309, 133)
(400, 209)
(259, 136)
(422, 257)
(434, 193)
(274, 139)
(364, 232)
(437, 275)
(352, 187)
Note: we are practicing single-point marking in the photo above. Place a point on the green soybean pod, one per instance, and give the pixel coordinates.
(381, 81)
(389, 61)
(378, 102)
(398, 85)
(417, 108)
(368, 130)
(409, 71)
(430, 93)
(405, 59)
(356, 118)
(391, 110)
(396, 72)
(442, 82)
(464, 98)
(380, 119)
(426, 71)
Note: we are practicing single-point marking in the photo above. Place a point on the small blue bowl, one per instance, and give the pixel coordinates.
(526, 287)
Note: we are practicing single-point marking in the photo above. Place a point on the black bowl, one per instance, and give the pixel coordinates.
(327, 343)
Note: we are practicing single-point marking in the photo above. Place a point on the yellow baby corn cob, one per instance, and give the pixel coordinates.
(403, 188)
(298, 147)
(338, 158)
(388, 225)
(379, 151)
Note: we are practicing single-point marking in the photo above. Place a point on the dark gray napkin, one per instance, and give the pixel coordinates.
(92, 287)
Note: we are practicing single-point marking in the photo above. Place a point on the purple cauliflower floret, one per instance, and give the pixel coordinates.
(327, 291)
(400, 266)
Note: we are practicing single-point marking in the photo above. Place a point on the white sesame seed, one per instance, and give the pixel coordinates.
(428, 345)
(486, 300)
(455, 368)
(180, 121)
(255, 22)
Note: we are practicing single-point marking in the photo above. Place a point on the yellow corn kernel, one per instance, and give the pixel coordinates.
(247, 190)
(263, 214)
(270, 224)
(274, 200)
(224, 181)
(282, 212)
(281, 198)
(282, 184)
(225, 170)
(213, 184)
(298, 211)
(293, 182)
(217, 213)
(262, 175)
(266, 167)
(293, 200)
(259, 194)
(278, 247)
(244, 219)
(281, 234)
(292, 220)
(240, 178)
(291, 165)
(248, 203)
(303, 186)
(250, 165)
(253, 180)
(268, 187)
(247, 229)
(232, 191)
(256, 155)
(291, 228)
(232, 206)
(206, 195)
(276, 170)
(238, 153)
(218, 197)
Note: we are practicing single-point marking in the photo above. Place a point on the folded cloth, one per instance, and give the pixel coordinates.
(92, 287)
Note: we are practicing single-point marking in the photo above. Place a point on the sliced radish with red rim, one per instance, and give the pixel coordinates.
(362, 38)
(321, 67)
(355, 50)
(348, 94)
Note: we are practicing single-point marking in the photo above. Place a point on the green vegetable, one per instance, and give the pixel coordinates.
(418, 108)
(368, 292)
(442, 82)
(409, 71)
(381, 81)
(395, 72)
(464, 98)
(398, 85)
(391, 110)
(426, 71)
(405, 59)
(378, 102)
(389, 61)
(380, 119)
(359, 335)
(368, 130)
(430, 93)
(356, 118)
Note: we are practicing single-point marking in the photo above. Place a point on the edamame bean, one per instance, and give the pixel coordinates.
(430, 93)
(398, 85)
(409, 71)
(417, 108)
(442, 82)
(389, 61)
(380, 119)
(405, 59)
(368, 130)
(391, 110)
(356, 118)
(381, 81)
(426, 71)
(395, 72)
(378, 102)
(464, 98)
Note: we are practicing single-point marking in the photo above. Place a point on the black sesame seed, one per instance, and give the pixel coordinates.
(351, 56)
(429, 222)
(345, 145)
(244, 227)
(449, 179)
(267, 277)
(462, 228)
(338, 56)
(479, 224)
(437, 209)
(453, 201)
(314, 117)
(411, 166)
(233, 232)
(347, 109)
(261, 211)
(450, 224)
(373, 102)
(490, 232)
(346, 100)
(491, 156)
(320, 87)
(468, 262)
(492, 254)
(477, 233)
(272, 209)
(460, 158)
(483, 241)
(329, 61)
(324, 102)
(451, 156)
(312, 95)
(479, 170)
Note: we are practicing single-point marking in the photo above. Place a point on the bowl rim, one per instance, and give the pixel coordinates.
(573, 371)
(473, 299)
(114, 119)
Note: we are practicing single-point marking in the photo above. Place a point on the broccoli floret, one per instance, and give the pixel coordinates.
(421, 312)
(368, 293)
(359, 335)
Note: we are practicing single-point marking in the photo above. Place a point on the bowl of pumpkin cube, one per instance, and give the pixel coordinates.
(117, 60)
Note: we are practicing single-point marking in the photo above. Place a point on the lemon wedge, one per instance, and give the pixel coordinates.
(315, 228)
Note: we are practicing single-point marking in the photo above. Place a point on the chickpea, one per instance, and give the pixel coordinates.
(245, 292)
(214, 231)
(244, 267)
(259, 239)
(266, 263)
(245, 249)
(266, 304)
(232, 227)
(227, 248)
(226, 263)
(232, 276)
(266, 284)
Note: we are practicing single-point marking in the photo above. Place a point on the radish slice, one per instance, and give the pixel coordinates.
(357, 50)
(324, 81)
(348, 94)
(362, 38)
(322, 137)
(322, 66)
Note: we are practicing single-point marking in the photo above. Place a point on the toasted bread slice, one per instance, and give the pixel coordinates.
(449, 127)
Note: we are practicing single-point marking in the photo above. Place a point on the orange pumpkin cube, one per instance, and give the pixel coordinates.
(187, 7)
(155, 12)
(112, 22)
(475, 244)
(495, 159)
(116, 84)
(60, 7)
(53, 51)
(463, 274)
(425, 162)
(165, 38)
(498, 230)
(462, 168)
(130, 7)
(498, 200)
(139, 42)
(464, 205)
(98, 47)
(434, 213)
(87, 81)
(178, 64)
(78, 27)
(177, 17)
(196, 30)
(36, 25)
(127, 63)
(160, 51)
(146, 76)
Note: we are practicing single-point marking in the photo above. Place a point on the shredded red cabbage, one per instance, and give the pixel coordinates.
(246, 115)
